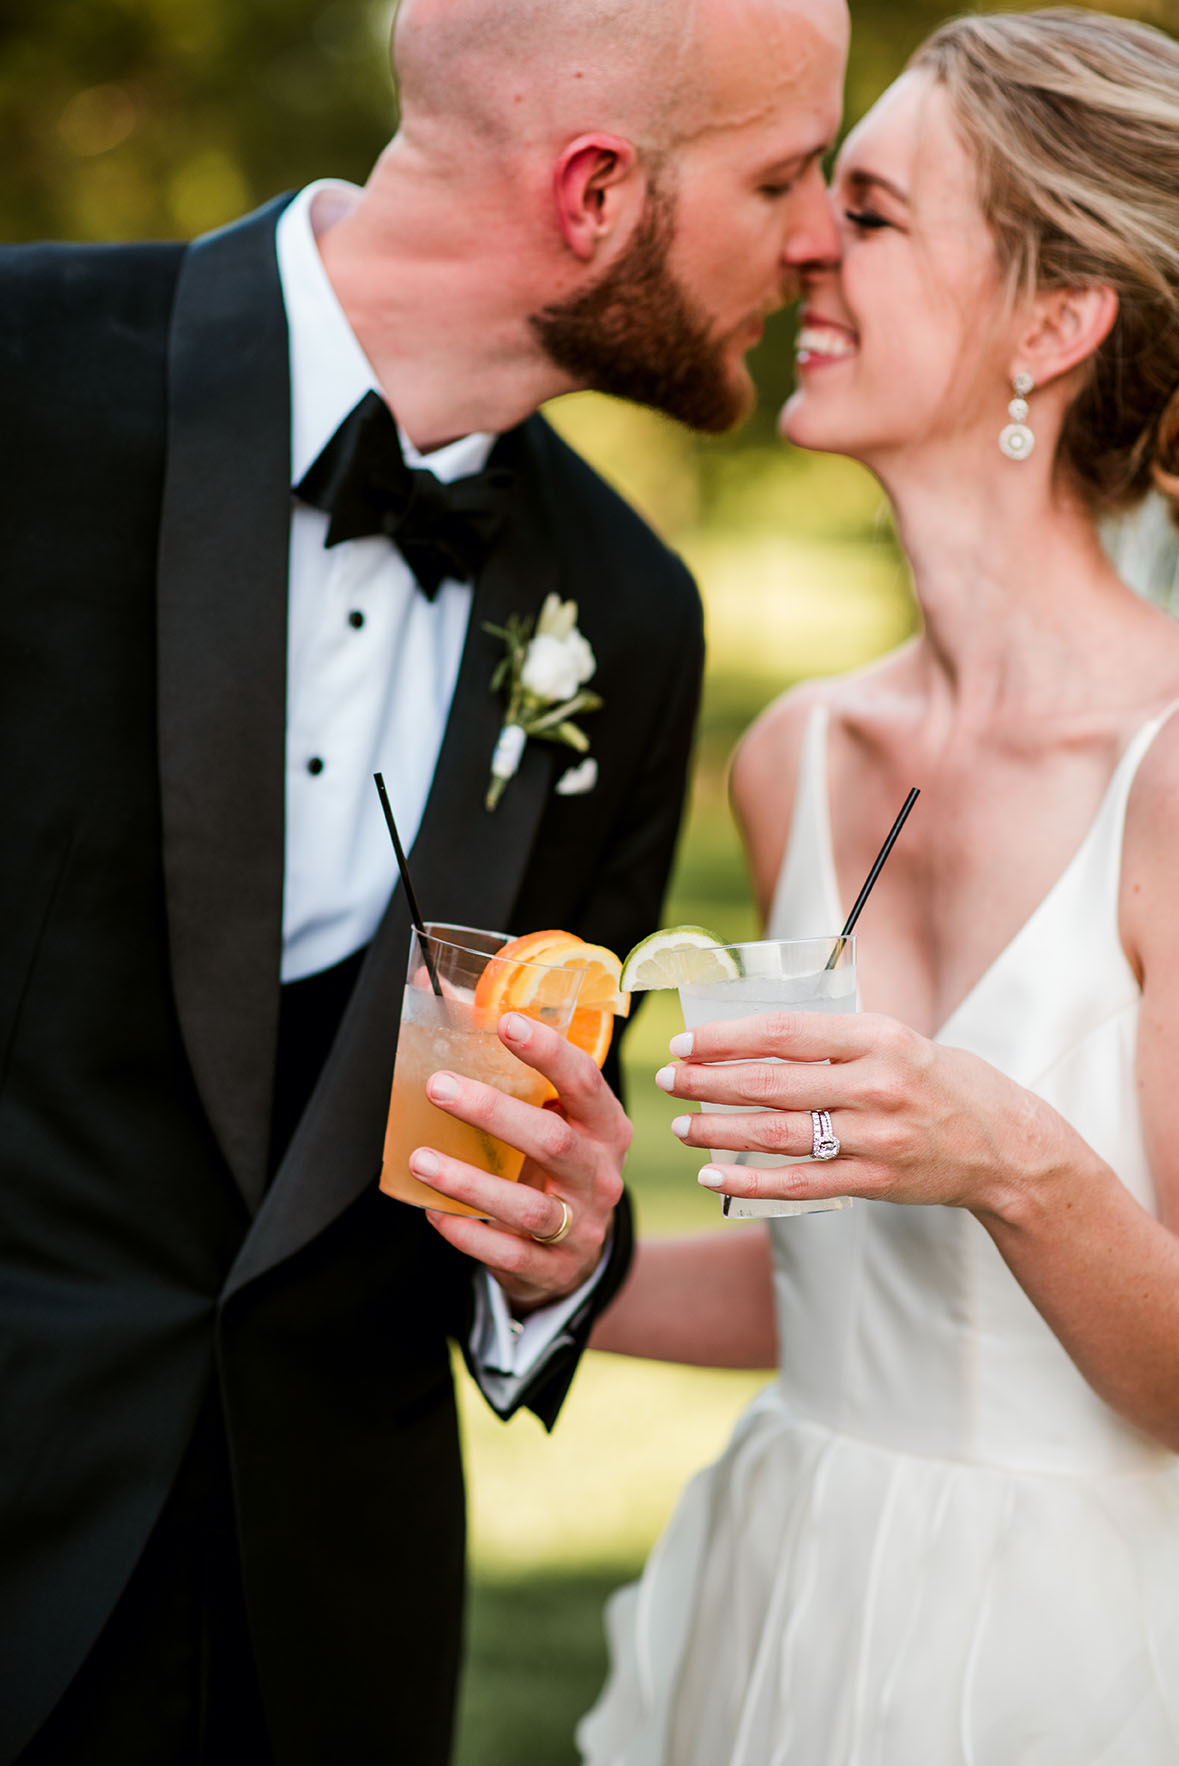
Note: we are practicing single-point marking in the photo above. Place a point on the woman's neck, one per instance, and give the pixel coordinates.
(1023, 612)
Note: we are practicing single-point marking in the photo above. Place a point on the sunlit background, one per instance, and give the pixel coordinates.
(161, 118)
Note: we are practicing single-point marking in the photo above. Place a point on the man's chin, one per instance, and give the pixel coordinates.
(744, 396)
(704, 402)
(728, 411)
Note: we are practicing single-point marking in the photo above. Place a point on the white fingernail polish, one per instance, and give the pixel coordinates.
(711, 1178)
(681, 1045)
(665, 1079)
(682, 1126)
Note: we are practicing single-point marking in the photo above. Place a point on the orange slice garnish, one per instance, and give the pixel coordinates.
(527, 948)
(515, 981)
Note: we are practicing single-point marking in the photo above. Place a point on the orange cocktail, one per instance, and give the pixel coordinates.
(456, 1029)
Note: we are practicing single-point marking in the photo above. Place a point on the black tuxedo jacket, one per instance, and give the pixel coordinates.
(144, 483)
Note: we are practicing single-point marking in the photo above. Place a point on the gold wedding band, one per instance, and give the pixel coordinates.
(562, 1230)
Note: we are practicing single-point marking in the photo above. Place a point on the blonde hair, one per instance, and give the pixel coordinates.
(1073, 117)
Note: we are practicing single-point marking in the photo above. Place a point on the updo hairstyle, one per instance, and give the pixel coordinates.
(1073, 119)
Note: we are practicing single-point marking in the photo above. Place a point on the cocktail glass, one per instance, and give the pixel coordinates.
(774, 975)
(449, 1030)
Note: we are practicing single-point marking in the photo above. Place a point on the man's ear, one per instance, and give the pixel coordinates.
(1068, 325)
(594, 186)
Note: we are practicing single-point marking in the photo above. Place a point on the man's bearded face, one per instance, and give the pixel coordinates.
(638, 334)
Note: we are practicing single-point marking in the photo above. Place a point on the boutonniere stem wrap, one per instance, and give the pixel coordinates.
(543, 677)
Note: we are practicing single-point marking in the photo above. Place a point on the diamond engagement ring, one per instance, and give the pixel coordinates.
(824, 1141)
(567, 1221)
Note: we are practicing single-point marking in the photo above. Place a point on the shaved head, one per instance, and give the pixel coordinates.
(537, 71)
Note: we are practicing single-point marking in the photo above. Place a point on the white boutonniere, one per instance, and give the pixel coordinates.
(543, 676)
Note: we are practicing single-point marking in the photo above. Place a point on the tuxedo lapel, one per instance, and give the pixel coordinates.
(222, 674)
(467, 865)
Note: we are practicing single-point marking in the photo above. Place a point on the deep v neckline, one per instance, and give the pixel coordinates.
(1130, 758)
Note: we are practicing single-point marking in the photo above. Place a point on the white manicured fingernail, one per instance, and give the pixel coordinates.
(516, 1027)
(681, 1045)
(682, 1126)
(423, 1163)
(665, 1079)
(711, 1178)
(442, 1088)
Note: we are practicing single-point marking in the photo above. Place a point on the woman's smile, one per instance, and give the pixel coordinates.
(822, 341)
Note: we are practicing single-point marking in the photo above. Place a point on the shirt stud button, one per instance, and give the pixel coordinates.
(315, 766)
(356, 619)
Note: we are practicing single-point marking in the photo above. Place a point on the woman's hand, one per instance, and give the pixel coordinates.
(916, 1122)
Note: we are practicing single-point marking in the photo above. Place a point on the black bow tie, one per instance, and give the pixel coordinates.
(362, 481)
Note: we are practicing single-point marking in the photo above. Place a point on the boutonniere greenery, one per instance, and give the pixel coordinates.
(543, 676)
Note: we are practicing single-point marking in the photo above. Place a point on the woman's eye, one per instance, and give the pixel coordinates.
(866, 219)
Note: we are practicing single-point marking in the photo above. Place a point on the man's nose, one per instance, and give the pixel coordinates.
(813, 239)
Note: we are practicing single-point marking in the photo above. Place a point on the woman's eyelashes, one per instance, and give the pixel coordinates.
(866, 219)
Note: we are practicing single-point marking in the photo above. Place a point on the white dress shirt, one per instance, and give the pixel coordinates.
(371, 663)
(371, 670)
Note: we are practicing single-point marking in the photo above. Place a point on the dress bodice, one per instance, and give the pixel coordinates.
(903, 1325)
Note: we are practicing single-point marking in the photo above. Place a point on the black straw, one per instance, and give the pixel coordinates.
(866, 891)
(415, 912)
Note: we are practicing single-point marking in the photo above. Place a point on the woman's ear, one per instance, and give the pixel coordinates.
(1068, 326)
(595, 182)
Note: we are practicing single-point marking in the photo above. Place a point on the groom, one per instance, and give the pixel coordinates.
(230, 1489)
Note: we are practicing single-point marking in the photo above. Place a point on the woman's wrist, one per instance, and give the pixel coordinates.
(1047, 1168)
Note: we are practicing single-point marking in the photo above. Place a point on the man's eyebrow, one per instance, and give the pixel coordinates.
(861, 180)
(799, 161)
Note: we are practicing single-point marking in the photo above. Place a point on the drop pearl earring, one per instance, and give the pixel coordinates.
(1017, 440)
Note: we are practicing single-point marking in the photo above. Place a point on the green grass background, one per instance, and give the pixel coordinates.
(800, 576)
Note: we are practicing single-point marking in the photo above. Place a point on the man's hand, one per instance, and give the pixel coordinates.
(574, 1148)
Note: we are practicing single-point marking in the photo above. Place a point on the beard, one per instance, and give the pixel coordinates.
(637, 334)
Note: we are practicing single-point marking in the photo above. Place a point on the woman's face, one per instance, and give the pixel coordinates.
(907, 345)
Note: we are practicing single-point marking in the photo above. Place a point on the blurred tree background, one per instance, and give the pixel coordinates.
(162, 118)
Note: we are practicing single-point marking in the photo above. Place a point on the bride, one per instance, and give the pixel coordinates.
(948, 1534)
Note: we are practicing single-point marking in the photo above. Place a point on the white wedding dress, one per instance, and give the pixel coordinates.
(929, 1543)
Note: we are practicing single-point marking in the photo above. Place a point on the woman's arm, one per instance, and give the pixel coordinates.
(1103, 1272)
(707, 1301)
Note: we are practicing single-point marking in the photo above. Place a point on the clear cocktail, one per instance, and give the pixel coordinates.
(454, 1030)
(775, 975)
